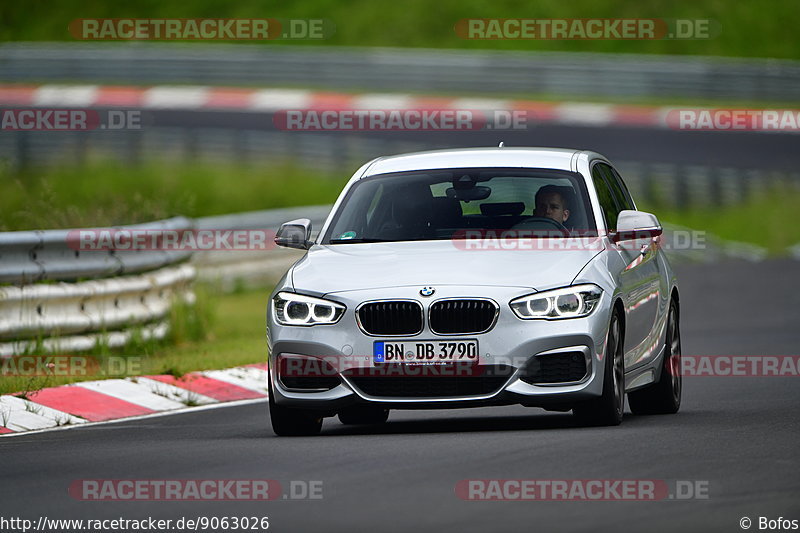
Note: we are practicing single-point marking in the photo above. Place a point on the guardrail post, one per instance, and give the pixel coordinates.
(189, 136)
(133, 147)
(22, 150)
(682, 199)
(81, 148)
(715, 188)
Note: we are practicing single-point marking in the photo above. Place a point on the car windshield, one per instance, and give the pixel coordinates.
(446, 203)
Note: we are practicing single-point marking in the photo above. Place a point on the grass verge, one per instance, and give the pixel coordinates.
(747, 29)
(105, 193)
(770, 220)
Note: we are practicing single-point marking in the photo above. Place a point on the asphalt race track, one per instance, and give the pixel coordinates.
(738, 434)
(748, 150)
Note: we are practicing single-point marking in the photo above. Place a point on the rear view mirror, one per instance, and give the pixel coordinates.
(294, 234)
(636, 225)
(478, 192)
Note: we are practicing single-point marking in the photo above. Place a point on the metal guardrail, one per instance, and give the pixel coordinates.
(86, 342)
(91, 305)
(54, 255)
(128, 293)
(230, 270)
(75, 316)
(134, 302)
(475, 71)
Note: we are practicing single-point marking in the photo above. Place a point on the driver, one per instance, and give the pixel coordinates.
(552, 202)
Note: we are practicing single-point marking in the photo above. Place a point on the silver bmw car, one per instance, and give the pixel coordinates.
(474, 277)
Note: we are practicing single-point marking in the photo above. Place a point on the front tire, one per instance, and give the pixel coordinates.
(292, 422)
(607, 409)
(664, 396)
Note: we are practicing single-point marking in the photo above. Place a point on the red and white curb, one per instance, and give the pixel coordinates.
(113, 399)
(273, 100)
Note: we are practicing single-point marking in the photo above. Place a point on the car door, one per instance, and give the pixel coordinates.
(639, 279)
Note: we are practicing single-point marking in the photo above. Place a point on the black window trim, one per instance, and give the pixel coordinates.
(623, 186)
(596, 162)
(611, 175)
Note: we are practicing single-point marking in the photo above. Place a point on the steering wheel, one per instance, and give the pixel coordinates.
(536, 222)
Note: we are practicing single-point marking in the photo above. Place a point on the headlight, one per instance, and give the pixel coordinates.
(299, 310)
(569, 302)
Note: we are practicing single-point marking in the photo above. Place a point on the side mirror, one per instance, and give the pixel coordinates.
(636, 225)
(294, 234)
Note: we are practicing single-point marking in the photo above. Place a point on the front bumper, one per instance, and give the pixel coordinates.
(511, 344)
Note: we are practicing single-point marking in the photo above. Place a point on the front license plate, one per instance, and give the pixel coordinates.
(425, 352)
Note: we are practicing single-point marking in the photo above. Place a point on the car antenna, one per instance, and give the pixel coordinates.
(501, 145)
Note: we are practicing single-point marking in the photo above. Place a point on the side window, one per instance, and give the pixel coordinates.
(606, 197)
(619, 189)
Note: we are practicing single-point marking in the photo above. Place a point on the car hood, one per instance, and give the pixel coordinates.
(347, 267)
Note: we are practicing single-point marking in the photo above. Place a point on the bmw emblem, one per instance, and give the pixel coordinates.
(427, 291)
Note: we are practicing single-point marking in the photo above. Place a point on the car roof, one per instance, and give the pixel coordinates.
(551, 158)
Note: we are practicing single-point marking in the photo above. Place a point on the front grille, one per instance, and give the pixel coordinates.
(393, 317)
(555, 368)
(448, 317)
(482, 380)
